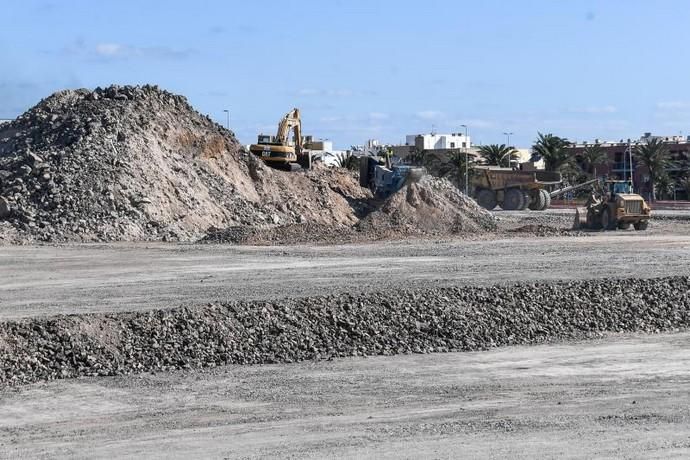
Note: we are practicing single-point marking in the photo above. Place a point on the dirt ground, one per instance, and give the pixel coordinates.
(44, 280)
(622, 397)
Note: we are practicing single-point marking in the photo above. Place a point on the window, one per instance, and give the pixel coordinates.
(464, 144)
(452, 145)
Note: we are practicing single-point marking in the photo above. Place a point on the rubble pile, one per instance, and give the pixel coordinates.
(432, 206)
(384, 323)
(139, 163)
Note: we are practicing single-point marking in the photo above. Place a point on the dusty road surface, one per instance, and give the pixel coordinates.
(44, 280)
(622, 397)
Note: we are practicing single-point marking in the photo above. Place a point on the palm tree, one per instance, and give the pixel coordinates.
(553, 150)
(463, 162)
(685, 183)
(498, 155)
(347, 160)
(591, 156)
(665, 186)
(653, 155)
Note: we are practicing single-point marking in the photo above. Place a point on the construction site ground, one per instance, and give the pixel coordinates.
(622, 397)
(626, 395)
(81, 278)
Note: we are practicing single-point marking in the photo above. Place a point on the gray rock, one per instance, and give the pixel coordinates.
(5, 208)
(375, 323)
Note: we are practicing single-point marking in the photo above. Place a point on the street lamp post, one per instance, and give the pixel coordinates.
(467, 176)
(227, 119)
(507, 135)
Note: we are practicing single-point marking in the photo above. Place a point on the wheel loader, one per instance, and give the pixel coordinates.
(279, 151)
(613, 205)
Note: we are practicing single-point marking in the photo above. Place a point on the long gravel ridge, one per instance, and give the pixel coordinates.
(326, 327)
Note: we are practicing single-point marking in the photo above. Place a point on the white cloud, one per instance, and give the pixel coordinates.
(307, 92)
(109, 49)
(310, 92)
(596, 109)
(378, 116)
(673, 105)
(429, 114)
(120, 51)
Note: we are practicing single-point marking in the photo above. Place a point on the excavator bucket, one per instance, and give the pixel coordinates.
(580, 221)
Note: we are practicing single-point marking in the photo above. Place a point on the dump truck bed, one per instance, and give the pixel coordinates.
(501, 178)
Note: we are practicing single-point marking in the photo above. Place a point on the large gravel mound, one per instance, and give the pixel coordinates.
(414, 321)
(431, 206)
(139, 163)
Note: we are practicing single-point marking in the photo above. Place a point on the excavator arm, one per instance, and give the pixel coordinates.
(290, 122)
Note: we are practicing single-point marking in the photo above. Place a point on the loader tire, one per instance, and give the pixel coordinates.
(642, 225)
(606, 222)
(537, 201)
(577, 224)
(547, 199)
(624, 225)
(513, 199)
(486, 199)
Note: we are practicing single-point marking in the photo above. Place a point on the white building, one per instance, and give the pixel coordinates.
(436, 141)
(525, 155)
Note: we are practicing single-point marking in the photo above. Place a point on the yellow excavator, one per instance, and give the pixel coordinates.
(280, 151)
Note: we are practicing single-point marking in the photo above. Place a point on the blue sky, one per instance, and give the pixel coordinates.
(370, 69)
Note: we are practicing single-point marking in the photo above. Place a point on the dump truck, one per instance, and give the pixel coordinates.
(513, 189)
(613, 205)
(280, 151)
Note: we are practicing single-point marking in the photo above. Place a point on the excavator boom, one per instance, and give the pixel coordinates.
(290, 122)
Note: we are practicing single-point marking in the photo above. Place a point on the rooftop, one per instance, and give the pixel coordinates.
(678, 139)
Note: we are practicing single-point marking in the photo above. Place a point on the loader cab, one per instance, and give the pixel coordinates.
(618, 187)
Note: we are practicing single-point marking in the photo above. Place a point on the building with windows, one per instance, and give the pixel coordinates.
(436, 141)
(440, 144)
(620, 166)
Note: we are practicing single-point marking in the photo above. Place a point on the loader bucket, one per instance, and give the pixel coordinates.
(580, 220)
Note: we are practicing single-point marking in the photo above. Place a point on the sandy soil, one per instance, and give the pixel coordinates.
(48, 280)
(623, 397)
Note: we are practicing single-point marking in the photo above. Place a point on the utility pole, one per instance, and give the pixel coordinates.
(227, 119)
(507, 135)
(467, 164)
